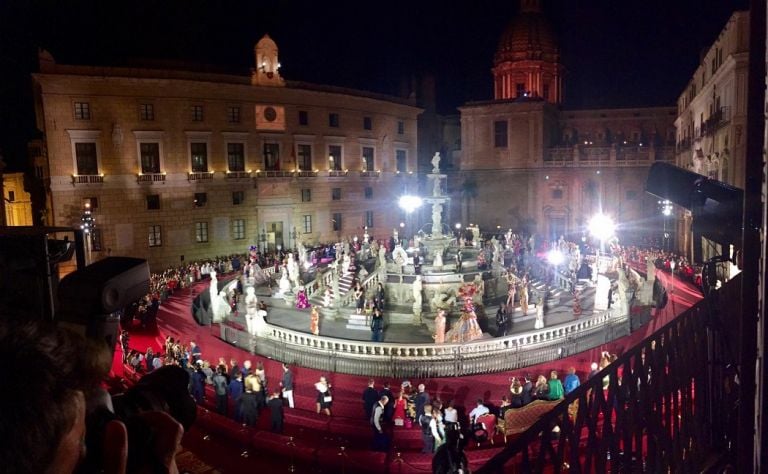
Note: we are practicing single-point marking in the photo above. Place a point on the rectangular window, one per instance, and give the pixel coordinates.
(150, 157)
(155, 236)
(87, 163)
(304, 157)
(199, 156)
(238, 229)
(369, 193)
(153, 202)
(519, 89)
(201, 232)
(92, 202)
(500, 134)
(334, 157)
(333, 120)
(201, 199)
(367, 123)
(631, 195)
(545, 92)
(272, 157)
(336, 194)
(337, 221)
(306, 195)
(557, 194)
(197, 113)
(401, 161)
(400, 127)
(307, 224)
(368, 164)
(233, 114)
(368, 219)
(11, 196)
(238, 197)
(147, 112)
(39, 171)
(236, 156)
(303, 117)
(82, 111)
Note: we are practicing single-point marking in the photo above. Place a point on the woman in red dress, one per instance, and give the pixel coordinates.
(399, 413)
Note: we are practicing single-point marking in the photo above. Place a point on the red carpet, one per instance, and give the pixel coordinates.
(175, 320)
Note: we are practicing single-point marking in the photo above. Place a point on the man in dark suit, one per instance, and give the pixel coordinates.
(370, 397)
(389, 409)
(275, 404)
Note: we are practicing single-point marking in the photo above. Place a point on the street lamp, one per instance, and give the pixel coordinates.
(602, 228)
(87, 224)
(666, 211)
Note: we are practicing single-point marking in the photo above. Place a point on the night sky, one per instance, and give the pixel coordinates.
(616, 53)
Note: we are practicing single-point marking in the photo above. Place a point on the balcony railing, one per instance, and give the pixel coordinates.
(238, 174)
(87, 179)
(200, 176)
(150, 178)
(307, 174)
(662, 406)
(337, 173)
(369, 174)
(273, 174)
(721, 117)
(399, 360)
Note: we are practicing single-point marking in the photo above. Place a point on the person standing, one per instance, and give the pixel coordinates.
(249, 404)
(451, 416)
(422, 399)
(458, 261)
(555, 386)
(359, 298)
(390, 406)
(220, 387)
(194, 352)
(427, 437)
(324, 397)
(379, 297)
(377, 326)
(286, 384)
(236, 394)
(502, 319)
(275, 404)
(380, 439)
(370, 397)
(571, 381)
(124, 340)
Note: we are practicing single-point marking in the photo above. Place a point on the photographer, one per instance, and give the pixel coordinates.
(43, 426)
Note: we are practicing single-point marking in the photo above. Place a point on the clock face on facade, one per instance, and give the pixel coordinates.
(270, 114)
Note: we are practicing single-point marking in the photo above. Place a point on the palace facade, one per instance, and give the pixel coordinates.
(711, 119)
(527, 164)
(181, 165)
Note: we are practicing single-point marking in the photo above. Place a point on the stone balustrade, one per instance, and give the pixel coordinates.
(432, 360)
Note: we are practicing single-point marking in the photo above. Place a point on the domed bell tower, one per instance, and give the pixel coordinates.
(527, 60)
(267, 70)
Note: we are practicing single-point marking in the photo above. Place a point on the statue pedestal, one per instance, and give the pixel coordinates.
(435, 244)
(290, 298)
(416, 314)
(329, 313)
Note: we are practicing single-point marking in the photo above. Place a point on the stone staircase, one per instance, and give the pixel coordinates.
(345, 284)
(358, 322)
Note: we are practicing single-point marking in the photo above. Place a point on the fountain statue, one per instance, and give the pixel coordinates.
(436, 242)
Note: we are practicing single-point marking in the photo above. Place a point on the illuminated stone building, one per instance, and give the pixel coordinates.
(182, 165)
(527, 164)
(18, 204)
(712, 115)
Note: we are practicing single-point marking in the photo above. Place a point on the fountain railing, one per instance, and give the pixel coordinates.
(431, 360)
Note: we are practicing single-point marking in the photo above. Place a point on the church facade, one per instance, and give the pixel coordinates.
(181, 165)
(526, 163)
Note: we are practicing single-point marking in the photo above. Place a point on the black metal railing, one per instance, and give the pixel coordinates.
(665, 405)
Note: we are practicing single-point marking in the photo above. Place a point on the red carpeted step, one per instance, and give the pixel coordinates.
(223, 427)
(307, 420)
(287, 447)
(478, 457)
(410, 463)
(338, 460)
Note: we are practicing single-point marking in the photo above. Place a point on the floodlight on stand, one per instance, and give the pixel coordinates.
(555, 257)
(410, 203)
(602, 227)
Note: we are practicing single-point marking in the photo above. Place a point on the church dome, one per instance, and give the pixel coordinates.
(528, 36)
